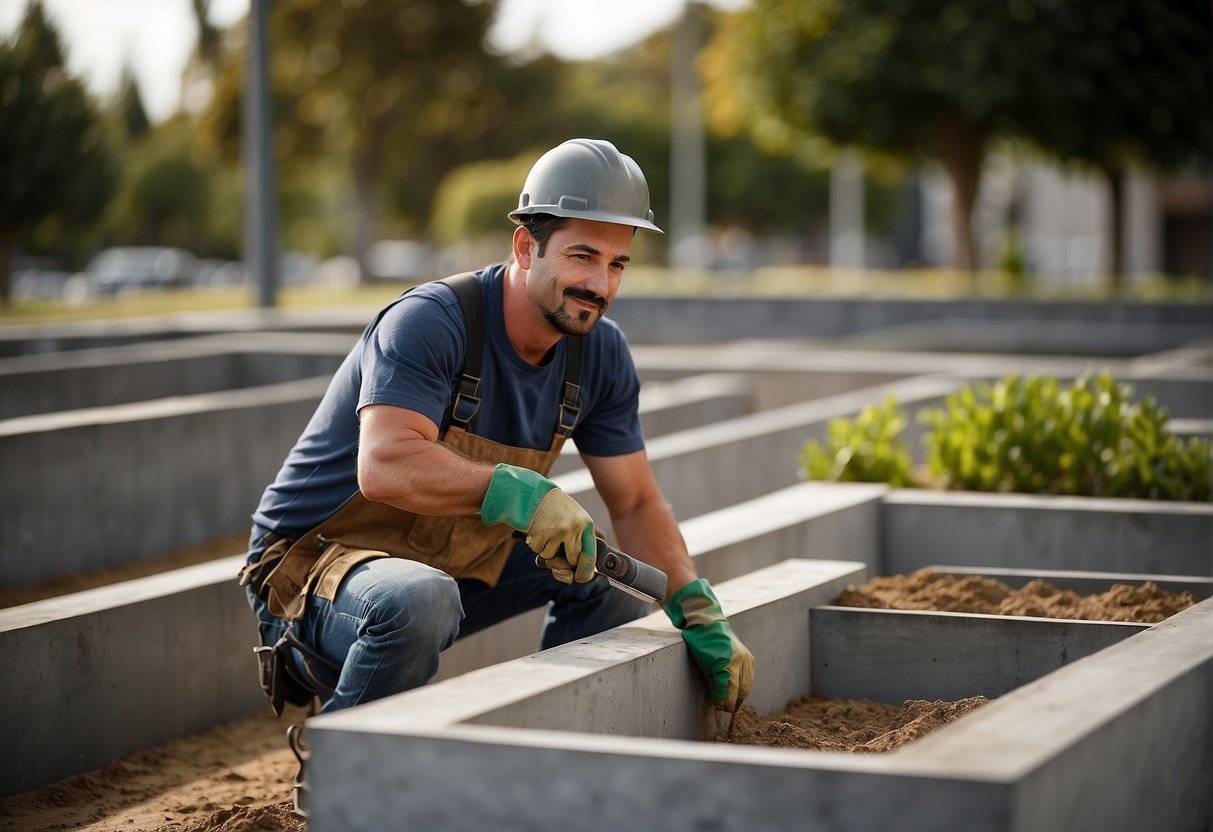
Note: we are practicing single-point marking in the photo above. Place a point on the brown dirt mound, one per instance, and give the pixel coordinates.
(851, 725)
(927, 589)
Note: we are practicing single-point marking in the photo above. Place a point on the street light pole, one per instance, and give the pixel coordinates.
(260, 178)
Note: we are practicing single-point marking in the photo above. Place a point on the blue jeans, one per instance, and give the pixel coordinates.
(391, 618)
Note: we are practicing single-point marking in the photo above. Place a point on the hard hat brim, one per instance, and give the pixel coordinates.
(594, 216)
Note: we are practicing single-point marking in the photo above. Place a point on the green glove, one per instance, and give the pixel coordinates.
(556, 527)
(726, 662)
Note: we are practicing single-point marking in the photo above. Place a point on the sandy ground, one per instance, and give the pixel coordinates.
(235, 777)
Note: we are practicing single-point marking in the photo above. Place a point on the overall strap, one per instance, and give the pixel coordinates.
(467, 402)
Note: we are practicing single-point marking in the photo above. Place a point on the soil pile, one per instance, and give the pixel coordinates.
(852, 725)
(928, 589)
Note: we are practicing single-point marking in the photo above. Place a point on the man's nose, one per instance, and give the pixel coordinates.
(599, 280)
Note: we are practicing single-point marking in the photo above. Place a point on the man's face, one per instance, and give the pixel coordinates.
(575, 281)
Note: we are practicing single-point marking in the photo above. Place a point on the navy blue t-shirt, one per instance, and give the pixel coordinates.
(410, 356)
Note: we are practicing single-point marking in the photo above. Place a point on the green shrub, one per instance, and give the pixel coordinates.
(868, 449)
(1029, 435)
(1035, 436)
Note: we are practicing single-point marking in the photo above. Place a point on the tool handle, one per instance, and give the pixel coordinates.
(627, 570)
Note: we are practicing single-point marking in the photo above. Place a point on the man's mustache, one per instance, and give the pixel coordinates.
(588, 297)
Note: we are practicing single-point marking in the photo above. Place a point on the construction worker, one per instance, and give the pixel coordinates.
(410, 511)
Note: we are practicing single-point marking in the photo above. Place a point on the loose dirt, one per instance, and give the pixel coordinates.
(235, 778)
(928, 589)
(851, 725)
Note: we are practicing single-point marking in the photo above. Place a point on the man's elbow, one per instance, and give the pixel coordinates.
(376, 485)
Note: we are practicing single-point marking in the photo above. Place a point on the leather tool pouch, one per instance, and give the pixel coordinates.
(278, 682)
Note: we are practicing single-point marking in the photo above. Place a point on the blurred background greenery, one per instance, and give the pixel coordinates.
(869, 146)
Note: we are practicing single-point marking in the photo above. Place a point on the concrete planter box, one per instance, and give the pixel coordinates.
(1023, 531)
(54, 382)
(593, 736)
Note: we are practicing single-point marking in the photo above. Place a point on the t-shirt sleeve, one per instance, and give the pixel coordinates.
(413, 355)
(612, 427)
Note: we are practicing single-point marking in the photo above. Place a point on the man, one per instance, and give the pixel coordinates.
(410, 511)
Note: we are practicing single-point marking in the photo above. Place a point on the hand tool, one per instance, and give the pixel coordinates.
(625, 572)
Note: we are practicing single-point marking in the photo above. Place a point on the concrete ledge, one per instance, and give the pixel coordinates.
(51, 382)
(670, 406)
(711, 467)
(812, 520)
(1038, 532)
(109, 485)
(96, 675)
(894, 655)
(1117, 740)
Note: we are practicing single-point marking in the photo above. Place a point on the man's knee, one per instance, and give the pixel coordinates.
(406, 596)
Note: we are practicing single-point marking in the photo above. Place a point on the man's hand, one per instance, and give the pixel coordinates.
(556, 527)
(726, 662)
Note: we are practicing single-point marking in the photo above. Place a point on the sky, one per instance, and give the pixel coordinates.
(155, 37)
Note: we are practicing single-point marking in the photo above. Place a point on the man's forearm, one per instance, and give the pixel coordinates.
(423, 477)
(651, 533)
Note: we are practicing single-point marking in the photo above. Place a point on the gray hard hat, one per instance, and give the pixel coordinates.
(587, 179)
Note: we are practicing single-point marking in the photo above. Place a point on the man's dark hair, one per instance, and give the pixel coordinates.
(542, 227)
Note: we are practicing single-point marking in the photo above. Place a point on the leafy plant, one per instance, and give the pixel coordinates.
(1029, 435)
(868, 449)
(1033, 435)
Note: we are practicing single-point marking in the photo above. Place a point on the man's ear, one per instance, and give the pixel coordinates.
(524, 246)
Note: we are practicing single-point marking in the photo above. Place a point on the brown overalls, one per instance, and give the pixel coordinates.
(361, 530)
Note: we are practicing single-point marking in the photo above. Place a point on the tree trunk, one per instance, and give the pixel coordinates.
(8, 245)
(961, 146)
(1116, 225)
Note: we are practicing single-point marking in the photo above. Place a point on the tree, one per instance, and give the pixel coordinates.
(53, 160)
(902, 77)
(402, 92)
(1131, 87)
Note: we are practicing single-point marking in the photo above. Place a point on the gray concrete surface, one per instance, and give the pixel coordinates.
(1071, 326)
(708, 468)
(679, 404)
(1038, 532)
(809, 520)
(894, 655)
(50, 382)
(90, 677)
(593, 736)
(101, 486)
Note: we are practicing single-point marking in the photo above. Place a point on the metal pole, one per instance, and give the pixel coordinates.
(688, 188)
(260, 178)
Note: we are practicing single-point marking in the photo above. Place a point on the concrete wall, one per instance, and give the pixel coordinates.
(110, 485)
(51, 382)
(93, 676)
(1118, 740)
(808, 520)
(1076, 327)
(708, 468)
(922, 528)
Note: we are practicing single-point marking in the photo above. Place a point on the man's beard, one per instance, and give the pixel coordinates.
(583, 321)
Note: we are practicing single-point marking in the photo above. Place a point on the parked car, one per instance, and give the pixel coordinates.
(135, 268)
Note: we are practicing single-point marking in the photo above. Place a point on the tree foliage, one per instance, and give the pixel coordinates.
(1104, 82)
(401, 92)
(1131, 86)
(53, 158)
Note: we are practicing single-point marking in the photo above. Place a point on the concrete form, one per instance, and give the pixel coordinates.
(96, 675)
(1026, 531)
(50, 382)
(109, 485)
(119, 654)
(593, 735)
